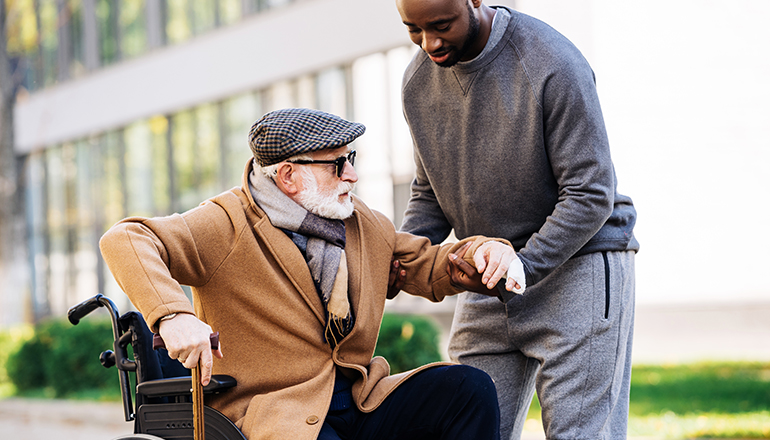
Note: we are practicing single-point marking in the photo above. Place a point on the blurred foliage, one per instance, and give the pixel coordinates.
(11, 341)
(62, 359)
(408, 341)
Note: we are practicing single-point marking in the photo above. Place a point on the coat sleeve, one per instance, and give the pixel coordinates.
(426, 264)
(151, 257)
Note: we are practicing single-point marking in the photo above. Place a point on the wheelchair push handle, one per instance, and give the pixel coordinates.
(157, 341)
(78, 312)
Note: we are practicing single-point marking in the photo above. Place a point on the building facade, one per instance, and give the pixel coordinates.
(142, 107)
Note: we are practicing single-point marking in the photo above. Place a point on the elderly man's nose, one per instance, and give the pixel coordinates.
(349, 173)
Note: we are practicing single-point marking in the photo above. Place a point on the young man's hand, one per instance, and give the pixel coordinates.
(396, 279)
(492, 260)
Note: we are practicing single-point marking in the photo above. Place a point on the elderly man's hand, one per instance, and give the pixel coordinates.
(492, 260)
(187, 340)
(396, 279)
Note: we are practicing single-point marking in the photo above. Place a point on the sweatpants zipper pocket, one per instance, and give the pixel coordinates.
(606, 285)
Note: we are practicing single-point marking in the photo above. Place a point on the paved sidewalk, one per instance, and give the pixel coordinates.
(32, 419)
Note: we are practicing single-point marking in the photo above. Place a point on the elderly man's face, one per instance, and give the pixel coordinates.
(445, 29)
(322, 192)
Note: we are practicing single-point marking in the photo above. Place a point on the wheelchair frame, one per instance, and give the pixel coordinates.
(163, 409)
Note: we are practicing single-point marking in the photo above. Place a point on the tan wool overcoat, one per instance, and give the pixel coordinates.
(251, 283)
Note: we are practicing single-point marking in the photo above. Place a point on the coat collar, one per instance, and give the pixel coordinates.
(290, 259)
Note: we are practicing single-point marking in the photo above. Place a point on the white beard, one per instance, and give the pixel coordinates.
(325, 205)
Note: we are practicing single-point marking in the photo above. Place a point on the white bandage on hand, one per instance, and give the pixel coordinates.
(516, 271)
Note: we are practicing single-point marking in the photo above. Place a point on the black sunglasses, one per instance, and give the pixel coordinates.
(339, 163)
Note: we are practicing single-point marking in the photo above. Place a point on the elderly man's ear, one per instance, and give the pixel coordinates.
(286, 178)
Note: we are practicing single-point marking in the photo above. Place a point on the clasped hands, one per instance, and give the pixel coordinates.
(492, 260)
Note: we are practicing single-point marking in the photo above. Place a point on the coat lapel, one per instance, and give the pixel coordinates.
(287, 255)
(354, 255)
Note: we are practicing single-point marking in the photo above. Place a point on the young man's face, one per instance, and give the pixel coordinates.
(444, 29)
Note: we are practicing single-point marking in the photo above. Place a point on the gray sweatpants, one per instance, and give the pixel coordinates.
(568, 336)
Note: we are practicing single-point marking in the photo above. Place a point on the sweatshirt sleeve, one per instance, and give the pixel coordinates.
(579, 154)
(423, 215)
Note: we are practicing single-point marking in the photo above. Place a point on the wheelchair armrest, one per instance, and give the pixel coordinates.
(179, 386)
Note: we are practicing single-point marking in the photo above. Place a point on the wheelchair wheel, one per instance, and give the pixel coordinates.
(174, 420)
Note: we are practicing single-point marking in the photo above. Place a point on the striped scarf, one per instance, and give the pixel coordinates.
(322, 242)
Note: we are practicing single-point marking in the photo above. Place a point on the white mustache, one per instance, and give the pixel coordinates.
(345, 187)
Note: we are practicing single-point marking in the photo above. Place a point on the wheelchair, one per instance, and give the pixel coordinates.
(161, 407)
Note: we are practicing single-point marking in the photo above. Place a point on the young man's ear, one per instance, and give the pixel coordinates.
(286, 178)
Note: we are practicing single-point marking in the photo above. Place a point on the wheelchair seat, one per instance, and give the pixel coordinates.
(163, 392)
(164, 407)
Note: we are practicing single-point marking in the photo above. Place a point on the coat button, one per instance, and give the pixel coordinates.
(312, 420)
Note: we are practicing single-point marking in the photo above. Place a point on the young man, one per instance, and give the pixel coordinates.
(292, 270)
(510, 142)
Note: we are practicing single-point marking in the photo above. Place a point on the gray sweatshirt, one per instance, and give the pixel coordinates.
(512, 144)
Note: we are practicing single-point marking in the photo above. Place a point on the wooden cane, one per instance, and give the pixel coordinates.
(199, 426)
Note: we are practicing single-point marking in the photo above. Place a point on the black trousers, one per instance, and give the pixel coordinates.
(454, 402)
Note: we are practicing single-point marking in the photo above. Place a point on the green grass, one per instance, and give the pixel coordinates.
(749, 425)
(702, 400)
(720, 388)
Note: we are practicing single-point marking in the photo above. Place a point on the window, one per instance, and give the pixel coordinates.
(107, 18)
(138, 156)
(161, 165)
(239, 114)
(332, 91)
(113, 181)
(49, 41)
(179, 25)
(38, 233)
(183, 147)
(71, 19)
(133, 32)
(208, 157)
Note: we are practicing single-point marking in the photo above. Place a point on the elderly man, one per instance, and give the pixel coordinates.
(293, 270)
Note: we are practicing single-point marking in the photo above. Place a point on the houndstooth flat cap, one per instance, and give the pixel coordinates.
(281, 134)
